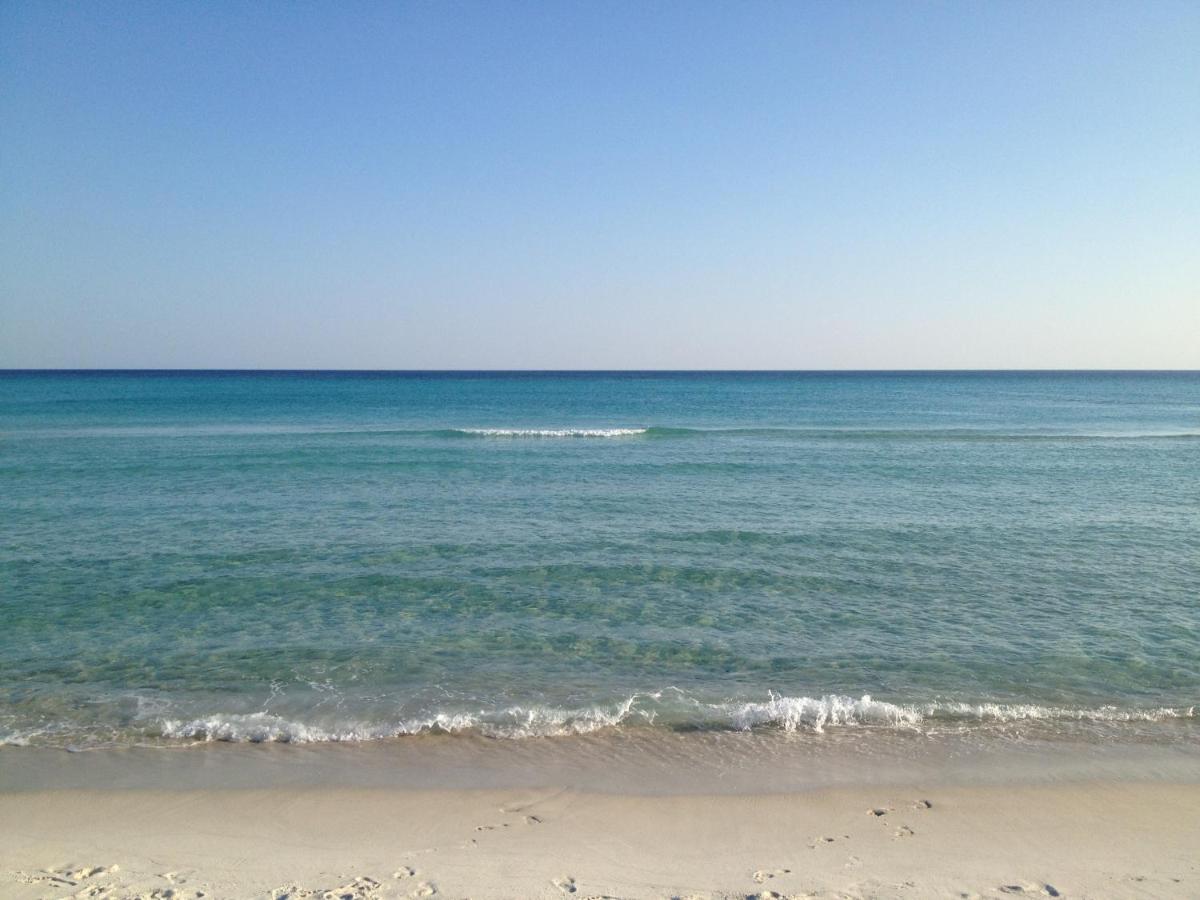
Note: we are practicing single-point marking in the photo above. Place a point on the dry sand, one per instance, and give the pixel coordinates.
(1106, 839)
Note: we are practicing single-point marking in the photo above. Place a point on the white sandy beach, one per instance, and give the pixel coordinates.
(599, 449)
(1078, 840)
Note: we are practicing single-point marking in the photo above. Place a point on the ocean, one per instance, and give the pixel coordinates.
(189, 557)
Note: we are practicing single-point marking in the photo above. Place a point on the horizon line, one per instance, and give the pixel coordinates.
(598, 371)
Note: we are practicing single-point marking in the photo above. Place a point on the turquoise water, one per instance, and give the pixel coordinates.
(327, 556)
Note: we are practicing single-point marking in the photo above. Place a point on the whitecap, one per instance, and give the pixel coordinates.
(553, 432)
(671, 708)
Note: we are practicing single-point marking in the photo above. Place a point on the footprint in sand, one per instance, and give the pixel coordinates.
(88, 872)
(69, 875)
(176, 891)
(879, 811)
(902, 832)
(527, 820)
(763, 875)
(424, 889)
(404, 872)
(360, 888)
(36, 877)
(566, 884)
(84, 877)
(1046, 890)
(92, 892)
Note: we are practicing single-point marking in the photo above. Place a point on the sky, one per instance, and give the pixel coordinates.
(571, 185)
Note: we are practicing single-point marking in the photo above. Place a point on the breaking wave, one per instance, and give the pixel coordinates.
(510, 722)
(671, 709)
(550, 432)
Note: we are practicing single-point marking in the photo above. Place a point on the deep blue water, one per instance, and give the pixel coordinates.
(193, 555)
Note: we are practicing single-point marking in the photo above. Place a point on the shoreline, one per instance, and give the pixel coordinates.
(623, 761)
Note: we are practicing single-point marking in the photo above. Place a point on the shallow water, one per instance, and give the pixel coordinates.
(324, 556)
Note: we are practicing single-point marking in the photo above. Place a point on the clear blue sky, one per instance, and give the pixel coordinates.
(625, 185)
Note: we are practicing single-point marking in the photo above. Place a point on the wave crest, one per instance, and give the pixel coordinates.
(510, 722)
(672, 709)
(814, 714)
(551, 432)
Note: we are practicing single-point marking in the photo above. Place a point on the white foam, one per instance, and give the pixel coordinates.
(814, 714)
(510, 722)
(259, 727)
(554, 432)
(672, 707)
(1020, 712)
(543, 721)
